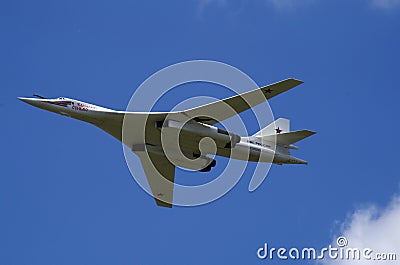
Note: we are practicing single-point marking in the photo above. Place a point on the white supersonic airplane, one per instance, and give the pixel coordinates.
(164, 140)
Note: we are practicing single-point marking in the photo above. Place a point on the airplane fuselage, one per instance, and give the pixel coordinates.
(246, 148)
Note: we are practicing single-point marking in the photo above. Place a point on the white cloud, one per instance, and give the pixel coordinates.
(374, 228)
(385, 4)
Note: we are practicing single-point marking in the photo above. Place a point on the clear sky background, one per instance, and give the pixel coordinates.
(66, 194)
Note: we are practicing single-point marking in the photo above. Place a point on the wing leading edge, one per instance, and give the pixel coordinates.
(220, 110)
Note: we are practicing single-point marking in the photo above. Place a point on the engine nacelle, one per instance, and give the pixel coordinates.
(203, 163)
(222, 138)
(198, 163)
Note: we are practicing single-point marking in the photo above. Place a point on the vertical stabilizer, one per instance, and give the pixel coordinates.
(279, 134)
(281, 125)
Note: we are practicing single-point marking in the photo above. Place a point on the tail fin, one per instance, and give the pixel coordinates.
(279, 131)
(281, 125)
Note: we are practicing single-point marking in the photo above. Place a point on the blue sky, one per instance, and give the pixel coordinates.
(66, 194)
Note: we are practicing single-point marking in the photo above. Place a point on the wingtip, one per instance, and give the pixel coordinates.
(163, 204)
(297, 80)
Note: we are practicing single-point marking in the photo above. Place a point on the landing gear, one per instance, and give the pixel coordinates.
(208, 168)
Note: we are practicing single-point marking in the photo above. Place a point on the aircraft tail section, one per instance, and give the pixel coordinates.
(292, 137)
(281, 125)
(279, 132)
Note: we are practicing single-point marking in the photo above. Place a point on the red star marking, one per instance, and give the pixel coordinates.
(278, 130)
